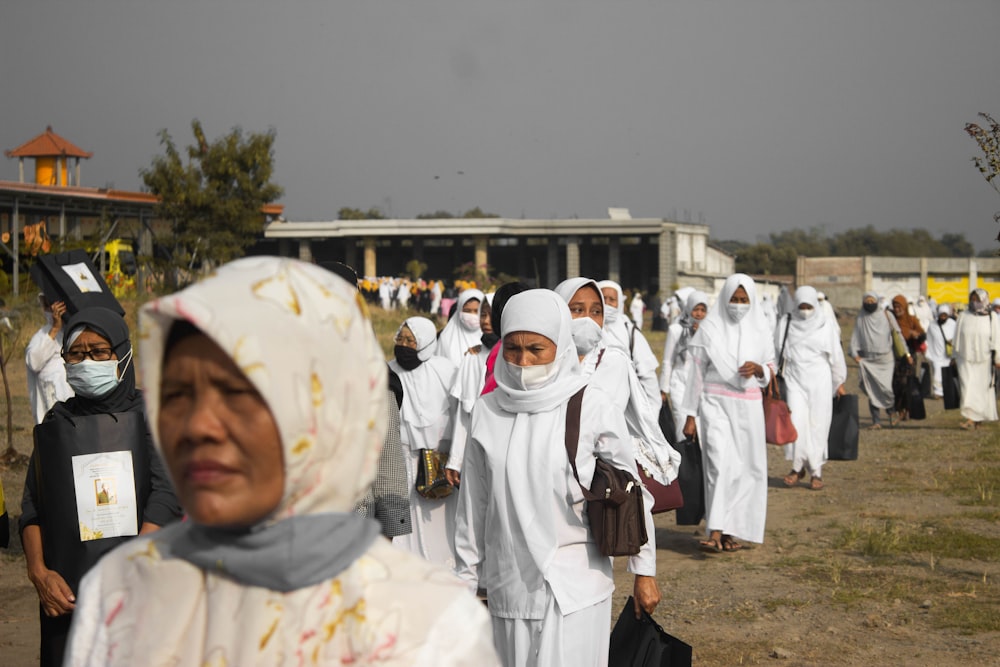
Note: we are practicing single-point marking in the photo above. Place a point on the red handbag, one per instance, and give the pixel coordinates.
(665, 498)
(778, 426)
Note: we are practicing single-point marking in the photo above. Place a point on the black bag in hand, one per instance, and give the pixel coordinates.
(641, 642)
(949, 384)
(915, 399)
(689, 475)
(842, 444)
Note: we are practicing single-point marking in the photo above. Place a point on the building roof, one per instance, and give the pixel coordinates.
(48, 144)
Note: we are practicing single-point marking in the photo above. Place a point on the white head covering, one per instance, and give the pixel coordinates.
(456, 338)
(567, 289)
(424, 332)
(804, 335)
(728, 343)
(543, 312)
(945, 309)
(611, 315)
(302, 336)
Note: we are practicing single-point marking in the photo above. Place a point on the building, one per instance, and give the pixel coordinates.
(651, 254)
(945, 279)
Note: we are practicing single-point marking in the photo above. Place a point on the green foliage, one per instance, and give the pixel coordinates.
(214, 197)
(436, 215)
(445, 215)
(415, 269)
(777, 255)
(478, 213)
(372, 213)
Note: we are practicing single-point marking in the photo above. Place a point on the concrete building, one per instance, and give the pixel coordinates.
(651, 254)
(945, 279)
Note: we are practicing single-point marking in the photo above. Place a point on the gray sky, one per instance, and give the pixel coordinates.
(755, 116)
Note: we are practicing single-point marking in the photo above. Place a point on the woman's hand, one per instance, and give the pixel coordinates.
(53, 592)
(751, 369)
(841, 391)
(453, 476)
(646, 594)
(690, 428)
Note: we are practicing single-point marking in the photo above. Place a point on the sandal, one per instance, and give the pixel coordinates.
(729, 544)
(968, 425)
(793, 478)
(816, 483)
(894, 419)
(875, 427)
(711, 546)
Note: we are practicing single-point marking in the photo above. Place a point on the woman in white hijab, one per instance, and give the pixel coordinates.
(731, 360)
(977, 353)
(622, 333)
(425, 423)
(266, 391)
(940, 340)
(673, 379)
(814, 370)
(522, 534)
(462, 335)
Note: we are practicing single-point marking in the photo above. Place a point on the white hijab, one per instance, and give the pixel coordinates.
(807, 336)
(543, 312)
(456, 338)
(728, 343)
(425, 388)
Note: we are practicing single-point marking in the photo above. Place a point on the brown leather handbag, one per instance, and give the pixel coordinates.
(614, 499)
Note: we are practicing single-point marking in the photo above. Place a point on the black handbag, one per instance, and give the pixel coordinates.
(692, 484)
(666, 420)
(641, 642)
(950, 386)
(925, 380)
(614, 499)
(842, 443)
(915, 399)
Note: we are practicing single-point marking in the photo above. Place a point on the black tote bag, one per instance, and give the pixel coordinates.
(842, 444)
(689, 476)
(949, 383)
(641, 642)
(915, 399)
(666, 420)
(925, 380)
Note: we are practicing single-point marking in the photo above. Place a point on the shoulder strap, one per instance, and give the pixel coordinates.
(781, 356)
(631, 341)
(573, 438)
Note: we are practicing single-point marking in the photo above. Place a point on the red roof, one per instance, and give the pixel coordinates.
(48, 144)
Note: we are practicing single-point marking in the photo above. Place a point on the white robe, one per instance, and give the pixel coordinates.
(937, 356)
(976, 336)
(493, 553)
(631, 340)
(46, 372)
(813, 369)
(433, 520)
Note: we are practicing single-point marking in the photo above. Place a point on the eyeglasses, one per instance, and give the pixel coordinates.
(405, 340)
(96, 354)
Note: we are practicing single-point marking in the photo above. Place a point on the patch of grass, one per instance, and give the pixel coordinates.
(883, 540)
(968, 615)
(772, 605)
(746, 612)
(979, 486)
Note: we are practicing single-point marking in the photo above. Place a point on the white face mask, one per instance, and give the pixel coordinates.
(806, 313)
(534, 377)
(586, 334)
(611, 314)
(94, 379)
(469, 320)
(737, 311)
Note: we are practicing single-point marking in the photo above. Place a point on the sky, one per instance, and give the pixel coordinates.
(752, 116)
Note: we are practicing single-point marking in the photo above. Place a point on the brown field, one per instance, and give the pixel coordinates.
(896, 561)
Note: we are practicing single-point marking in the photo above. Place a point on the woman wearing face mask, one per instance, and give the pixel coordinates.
(521, 533)
(940, 339)
(622, 333)
(731, 360)
(106, 417)
(425, 423)
(977, 344)
(267, 389)
(673, 379)
(462, 334)
(871, 347)
(814, 370)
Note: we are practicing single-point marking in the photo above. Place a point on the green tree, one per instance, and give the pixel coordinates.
(478, 213)
(988, 139)
(372, 213)
(436, 215)
(213, 198)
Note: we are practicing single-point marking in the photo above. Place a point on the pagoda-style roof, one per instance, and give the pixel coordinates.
(48, 144)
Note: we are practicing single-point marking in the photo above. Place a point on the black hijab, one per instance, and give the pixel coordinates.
(123, 398)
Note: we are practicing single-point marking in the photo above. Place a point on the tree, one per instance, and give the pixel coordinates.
(346, 213)
(988, 139)
(214, 198)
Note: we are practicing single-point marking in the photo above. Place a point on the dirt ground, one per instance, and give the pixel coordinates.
(896, 561)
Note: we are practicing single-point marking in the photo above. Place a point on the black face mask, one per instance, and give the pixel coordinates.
(406, 357)
(871, 307)
(490, 339)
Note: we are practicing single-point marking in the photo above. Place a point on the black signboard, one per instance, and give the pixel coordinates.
(72, 278)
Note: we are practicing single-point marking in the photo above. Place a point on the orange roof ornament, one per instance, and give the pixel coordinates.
(51, 153)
